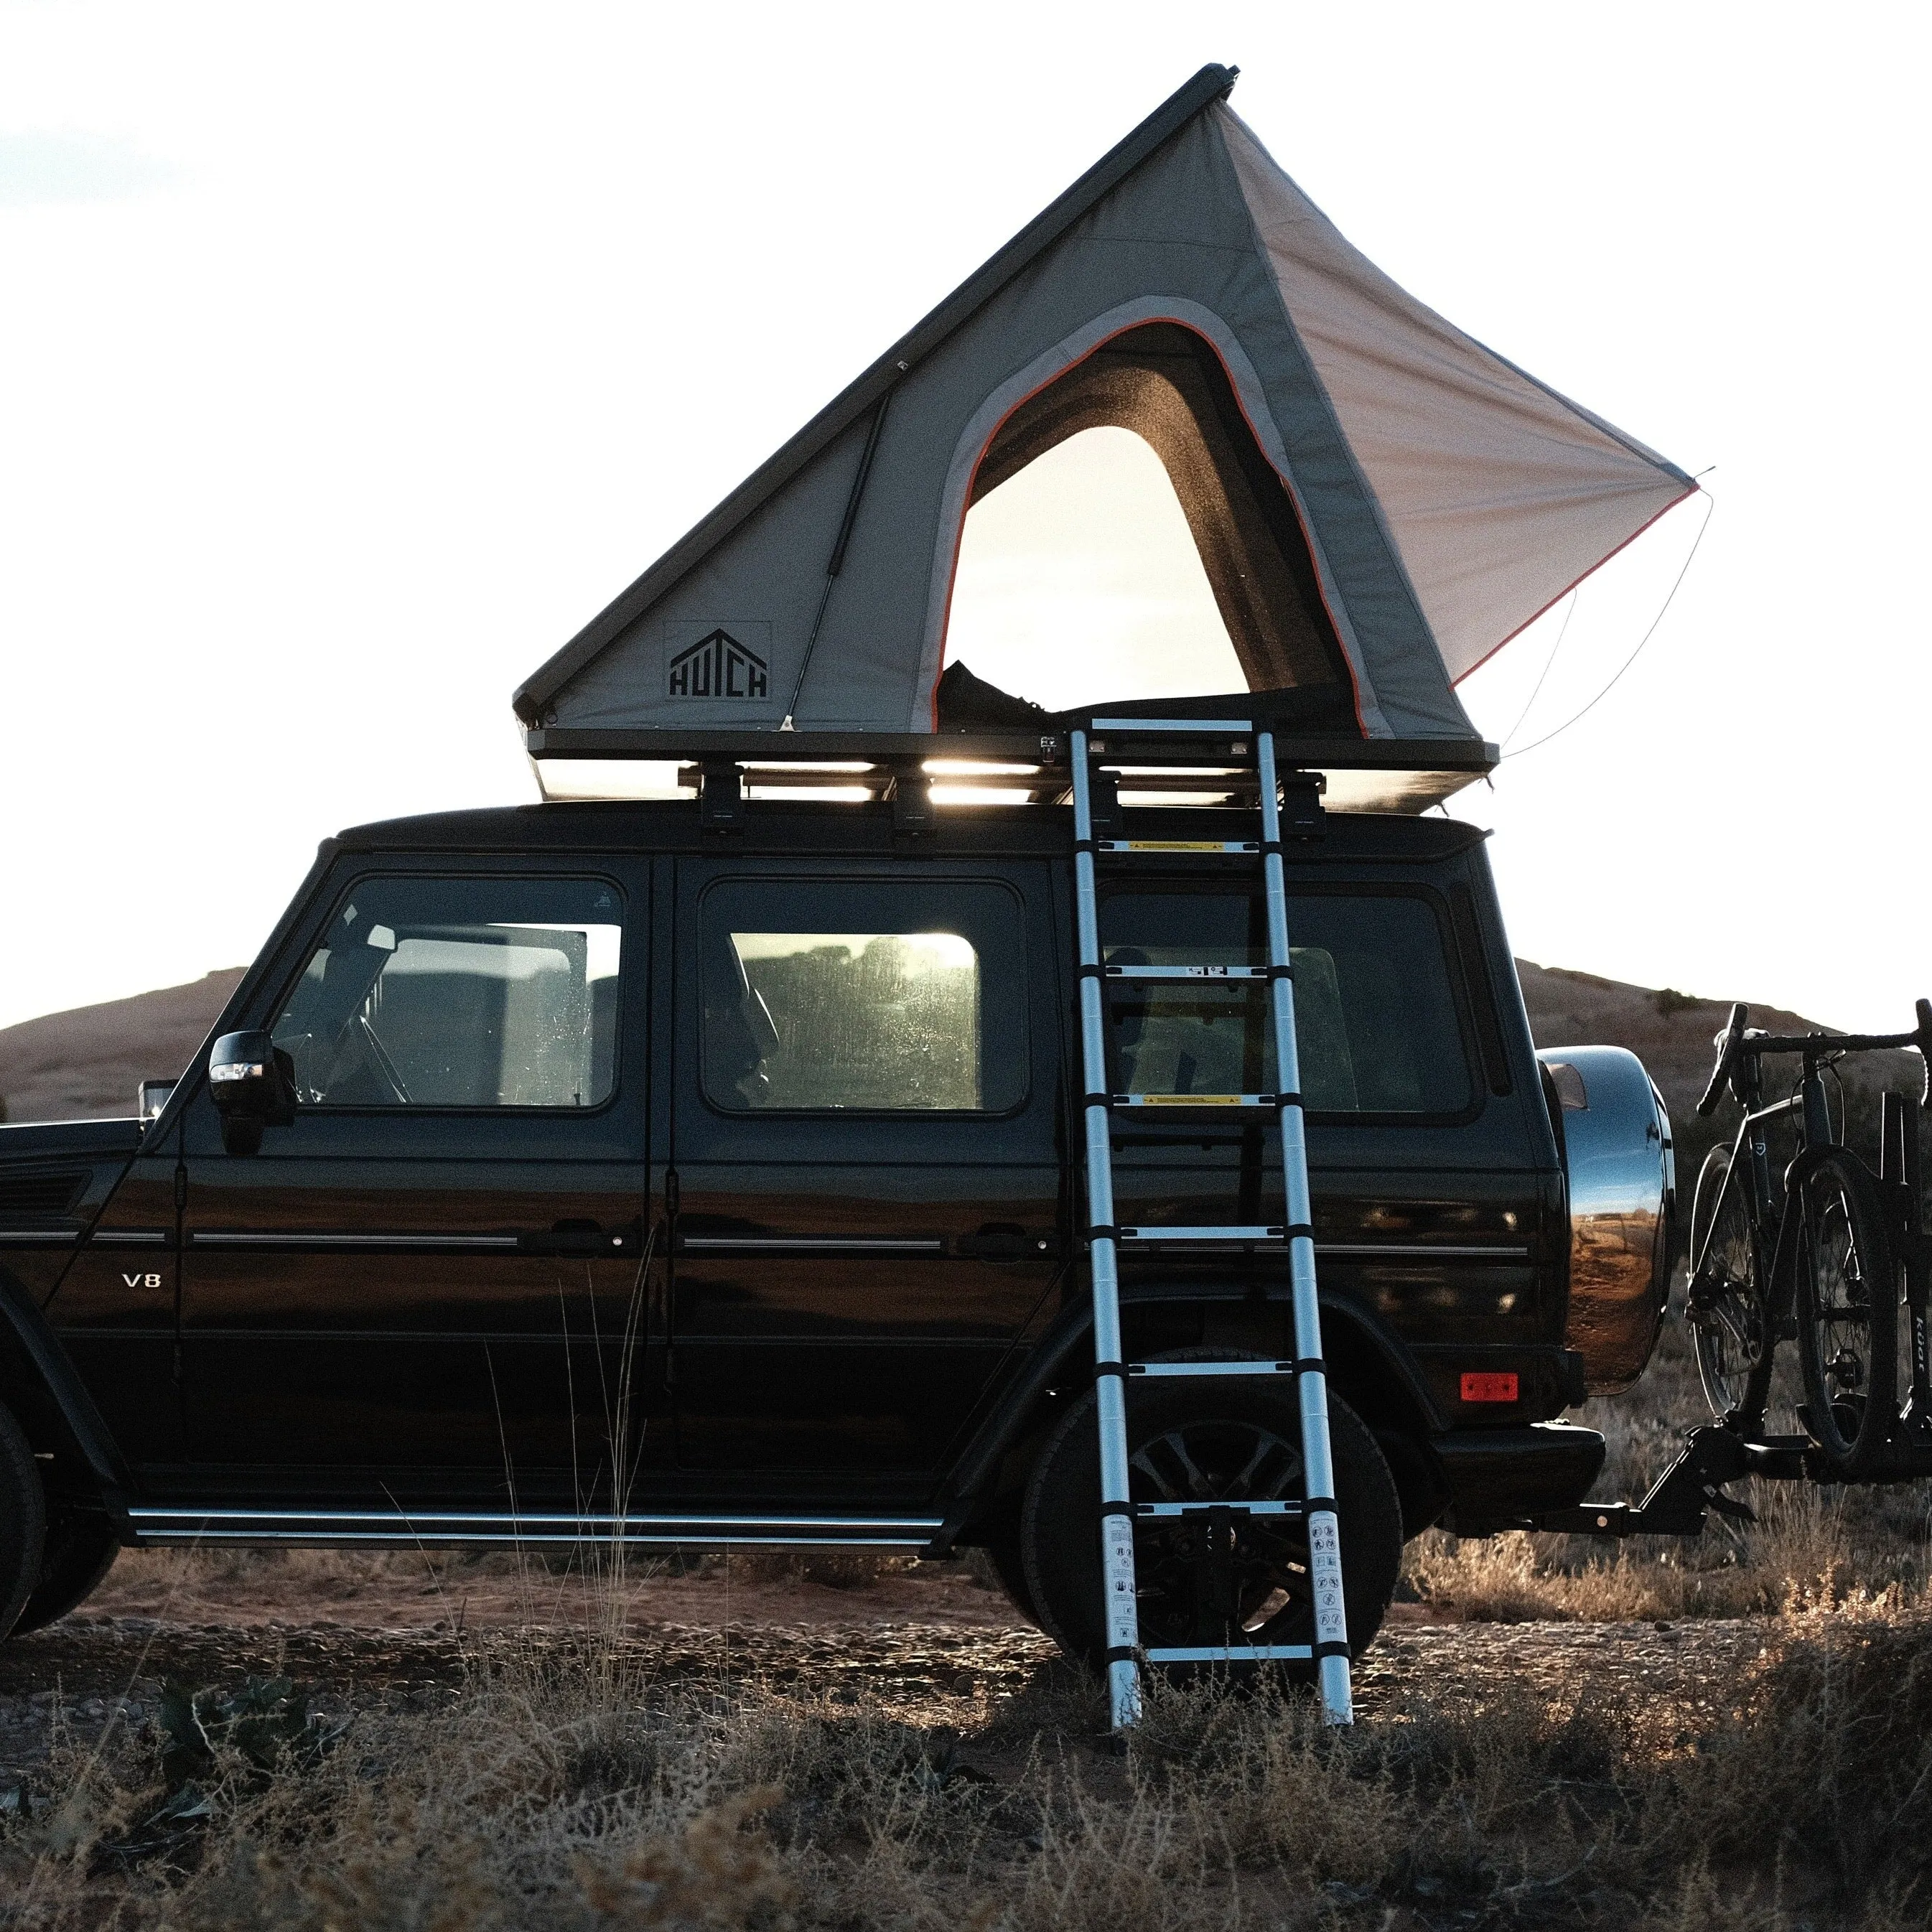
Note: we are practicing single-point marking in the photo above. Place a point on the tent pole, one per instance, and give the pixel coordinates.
(832, 568)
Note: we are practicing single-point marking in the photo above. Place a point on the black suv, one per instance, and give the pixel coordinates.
(584, 1171)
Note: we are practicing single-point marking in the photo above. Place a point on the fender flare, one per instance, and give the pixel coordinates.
(1062, 1352)
(40, 1348)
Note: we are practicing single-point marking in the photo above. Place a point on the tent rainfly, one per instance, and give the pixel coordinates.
(1379, 502)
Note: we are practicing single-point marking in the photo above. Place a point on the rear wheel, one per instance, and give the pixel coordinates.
(1009, 1564)
(1202, 1581)
(1847, 1305)
(23, 1522)
(1725, 1311)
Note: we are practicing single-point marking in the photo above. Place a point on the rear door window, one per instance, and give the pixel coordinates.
(1377, 1028)
(842, 996)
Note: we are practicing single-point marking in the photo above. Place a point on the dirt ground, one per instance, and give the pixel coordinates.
(931, 1643)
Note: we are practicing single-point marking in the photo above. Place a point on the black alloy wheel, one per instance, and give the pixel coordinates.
(23, 1522)
(1847, 1309)
(1725, 1309)
(1212, 1579)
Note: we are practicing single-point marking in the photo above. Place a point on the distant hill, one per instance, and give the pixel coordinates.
(90, 1062)
(1671, 1033)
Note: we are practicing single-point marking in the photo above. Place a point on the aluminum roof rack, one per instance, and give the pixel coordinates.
(1196, 764)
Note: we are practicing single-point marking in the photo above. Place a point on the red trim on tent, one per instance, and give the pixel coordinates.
(1693, 491)
(1234, 389)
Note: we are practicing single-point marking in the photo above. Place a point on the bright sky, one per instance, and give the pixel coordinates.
(351, 358)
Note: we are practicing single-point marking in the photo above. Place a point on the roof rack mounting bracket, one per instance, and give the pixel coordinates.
(910, 791)
(720, 798)
(1302, 816)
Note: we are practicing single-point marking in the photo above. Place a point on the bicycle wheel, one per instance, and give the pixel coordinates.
(1847, 1307)
(1725, 1309)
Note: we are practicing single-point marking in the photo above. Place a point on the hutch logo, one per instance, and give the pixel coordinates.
(718, 666)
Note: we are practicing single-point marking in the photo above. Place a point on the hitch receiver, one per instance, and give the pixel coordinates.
(1680, 1498)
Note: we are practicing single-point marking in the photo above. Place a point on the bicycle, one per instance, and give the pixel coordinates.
(1816, 1255)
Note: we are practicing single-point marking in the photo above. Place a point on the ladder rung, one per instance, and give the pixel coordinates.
(1188, 972)
(1210, 1368)
(1202, 1509)
(1269, 1100)
(1240, 1653)
(1185, 728)
(1243, 1235)
(1239, 846)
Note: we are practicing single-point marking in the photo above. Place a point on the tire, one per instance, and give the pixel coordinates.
(79, 1551)
(1847, 1309)
(1003, 1552)
(23, 1522)
(1197, 1440)
(1727, 1307)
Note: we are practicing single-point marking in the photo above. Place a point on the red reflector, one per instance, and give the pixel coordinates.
(1489, 1387)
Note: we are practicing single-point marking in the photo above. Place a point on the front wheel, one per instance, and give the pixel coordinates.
(23, 1522)
(1726, 1308)
(1847, 1306)
(1240, 1580)
(80, 1550)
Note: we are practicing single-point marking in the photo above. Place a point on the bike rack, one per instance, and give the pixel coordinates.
(1715, 1453)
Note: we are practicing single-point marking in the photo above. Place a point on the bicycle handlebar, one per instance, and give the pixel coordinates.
(1727, 1043)
(1736, 1041)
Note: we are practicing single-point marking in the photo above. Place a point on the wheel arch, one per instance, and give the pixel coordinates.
(40, 1385)
(1368, 1367)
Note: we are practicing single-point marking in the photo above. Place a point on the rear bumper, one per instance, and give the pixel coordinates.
(1504, 1478)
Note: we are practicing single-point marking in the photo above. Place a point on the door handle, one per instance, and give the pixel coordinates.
(1003, 1241)
(584, 1239)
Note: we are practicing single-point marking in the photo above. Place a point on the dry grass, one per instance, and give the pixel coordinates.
(1809, 1547)
(575, 1795)
(564, 1788)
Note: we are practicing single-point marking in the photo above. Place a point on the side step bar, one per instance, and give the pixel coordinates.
(409, 1529)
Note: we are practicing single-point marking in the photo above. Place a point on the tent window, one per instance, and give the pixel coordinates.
(1128, 538)
(1078, 578)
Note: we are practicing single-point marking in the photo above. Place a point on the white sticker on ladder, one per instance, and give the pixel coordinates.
(1324, 1569)
(1116, 1554)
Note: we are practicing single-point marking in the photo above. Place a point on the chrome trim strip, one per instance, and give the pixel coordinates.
(129, 1238)
(825, 1244)
(281, 1238)
(9, 1236)
(1409, 1252)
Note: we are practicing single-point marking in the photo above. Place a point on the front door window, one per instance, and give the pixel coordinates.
(446, 993)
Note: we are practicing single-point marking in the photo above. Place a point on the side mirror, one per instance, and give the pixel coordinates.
(253, 1085)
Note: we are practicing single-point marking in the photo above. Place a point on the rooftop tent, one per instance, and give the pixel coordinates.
(1379, 501)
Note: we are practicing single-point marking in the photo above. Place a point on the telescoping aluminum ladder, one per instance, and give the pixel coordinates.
(1330, 1650)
